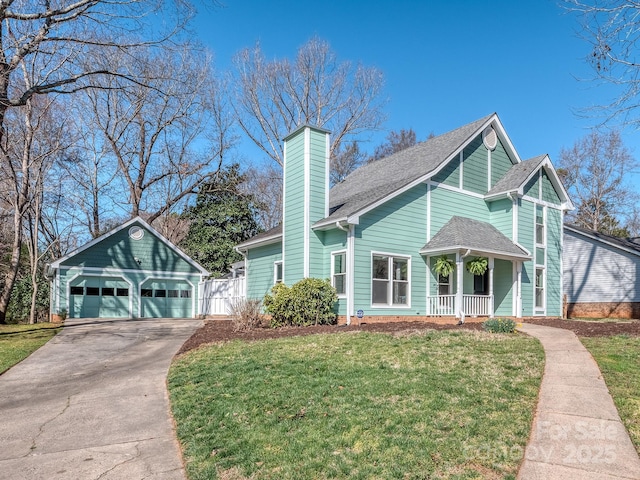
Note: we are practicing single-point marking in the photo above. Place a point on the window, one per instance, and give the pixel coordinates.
(146, 292)
(185, 293)
(93, 291)
(540, 288)
(277, 272)
(77, 290)
(108, 291)
(160, 293)
(444, 285)
(173, 293)
(122, 292)
(390, 280)
(539, 224)
(481, 283)
(339, 272)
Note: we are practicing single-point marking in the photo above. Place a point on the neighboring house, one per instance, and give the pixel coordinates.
(601, 274)
(131, 271)
(377, 234)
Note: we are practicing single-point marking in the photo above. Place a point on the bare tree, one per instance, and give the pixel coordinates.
(612, 29)
(156, 132)
(345, 161)
(396, 141)
(265, 185)
(58, 47)
(595, 172)
(273, 98)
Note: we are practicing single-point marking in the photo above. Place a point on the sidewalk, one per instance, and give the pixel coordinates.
(577, 432)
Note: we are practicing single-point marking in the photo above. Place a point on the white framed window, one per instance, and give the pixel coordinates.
(540, 225)
(339, 272)
(390, 280)
(444, 284)
(278, 272)
(539, 293)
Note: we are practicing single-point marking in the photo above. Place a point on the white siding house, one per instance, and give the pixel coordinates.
(600, 274)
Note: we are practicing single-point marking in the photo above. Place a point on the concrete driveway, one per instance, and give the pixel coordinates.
(92, 403)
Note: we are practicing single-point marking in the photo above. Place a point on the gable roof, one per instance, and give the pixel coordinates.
(127, 224)
(461, 233)
(519, 175)
(630, 245)
(265, 238)
(375, 182)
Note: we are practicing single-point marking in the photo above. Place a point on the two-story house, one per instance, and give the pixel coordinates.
(377, 235)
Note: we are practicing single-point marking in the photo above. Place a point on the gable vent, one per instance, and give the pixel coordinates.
(490, 138)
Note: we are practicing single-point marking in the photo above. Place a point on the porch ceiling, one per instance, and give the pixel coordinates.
(480, 238)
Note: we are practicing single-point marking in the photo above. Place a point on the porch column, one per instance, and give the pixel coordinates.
(491, 304)
(519, 289)
(459, 286)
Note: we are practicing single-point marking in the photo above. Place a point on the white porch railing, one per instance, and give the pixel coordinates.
(216, 296)
(476, 305)
(472, 305)
(442, 305)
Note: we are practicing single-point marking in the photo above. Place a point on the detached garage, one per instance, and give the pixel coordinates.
(129, 272)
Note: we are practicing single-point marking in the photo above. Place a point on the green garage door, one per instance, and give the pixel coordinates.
(167, 299)
(99, 297)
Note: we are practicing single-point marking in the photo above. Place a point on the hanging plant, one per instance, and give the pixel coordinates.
(477, 266)
(444, 266)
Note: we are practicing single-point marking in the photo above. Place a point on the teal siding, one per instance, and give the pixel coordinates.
(333, 240)
(260, 269)
(318, 192)
(450, 174)
(475, 167)
(502, 216)
(526, 228)
(433, 278)
(119, 251)
(500, 163)
(397, 227)
(294, 209)
(503, 287)
(554, 254)
(549, 193)
(531, 188)
(465, 206)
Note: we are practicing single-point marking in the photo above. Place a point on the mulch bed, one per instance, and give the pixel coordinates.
(222, 330)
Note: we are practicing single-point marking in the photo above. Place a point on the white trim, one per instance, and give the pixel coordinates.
(461, 170)
(284, 204)
(108, 270)
(154, 232)
(428, 212)
(346, 274)
(455, 189)
(546, 204)
(275, 271)
(601, 240)
(194, 295)
(391, 256)
(484, 252)
(543, 310)
(327, 168)
(488, 169)
(271, 239)
(306, 202)
(515, 206)
(540, 184)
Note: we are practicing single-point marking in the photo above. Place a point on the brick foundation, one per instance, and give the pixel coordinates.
(342, 320)
(603, 310)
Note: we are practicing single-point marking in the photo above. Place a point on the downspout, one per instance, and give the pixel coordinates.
(349, 232)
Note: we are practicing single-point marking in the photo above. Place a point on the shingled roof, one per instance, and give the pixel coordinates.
(377, 180)
(516, 177)
(461, 233)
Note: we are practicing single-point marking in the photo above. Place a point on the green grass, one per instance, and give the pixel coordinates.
(17, 342)
(619, 360)
(358, 405)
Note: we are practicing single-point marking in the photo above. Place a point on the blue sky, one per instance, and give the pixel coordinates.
(446, 63)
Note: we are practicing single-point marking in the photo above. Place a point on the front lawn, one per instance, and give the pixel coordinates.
(17, 342)
(434, 404)
(619, 360)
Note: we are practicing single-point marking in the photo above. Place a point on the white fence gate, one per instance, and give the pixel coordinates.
(215, 297)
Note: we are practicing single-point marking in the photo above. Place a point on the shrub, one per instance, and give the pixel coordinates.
(499, 325)
(308, 302)
(246, 314)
